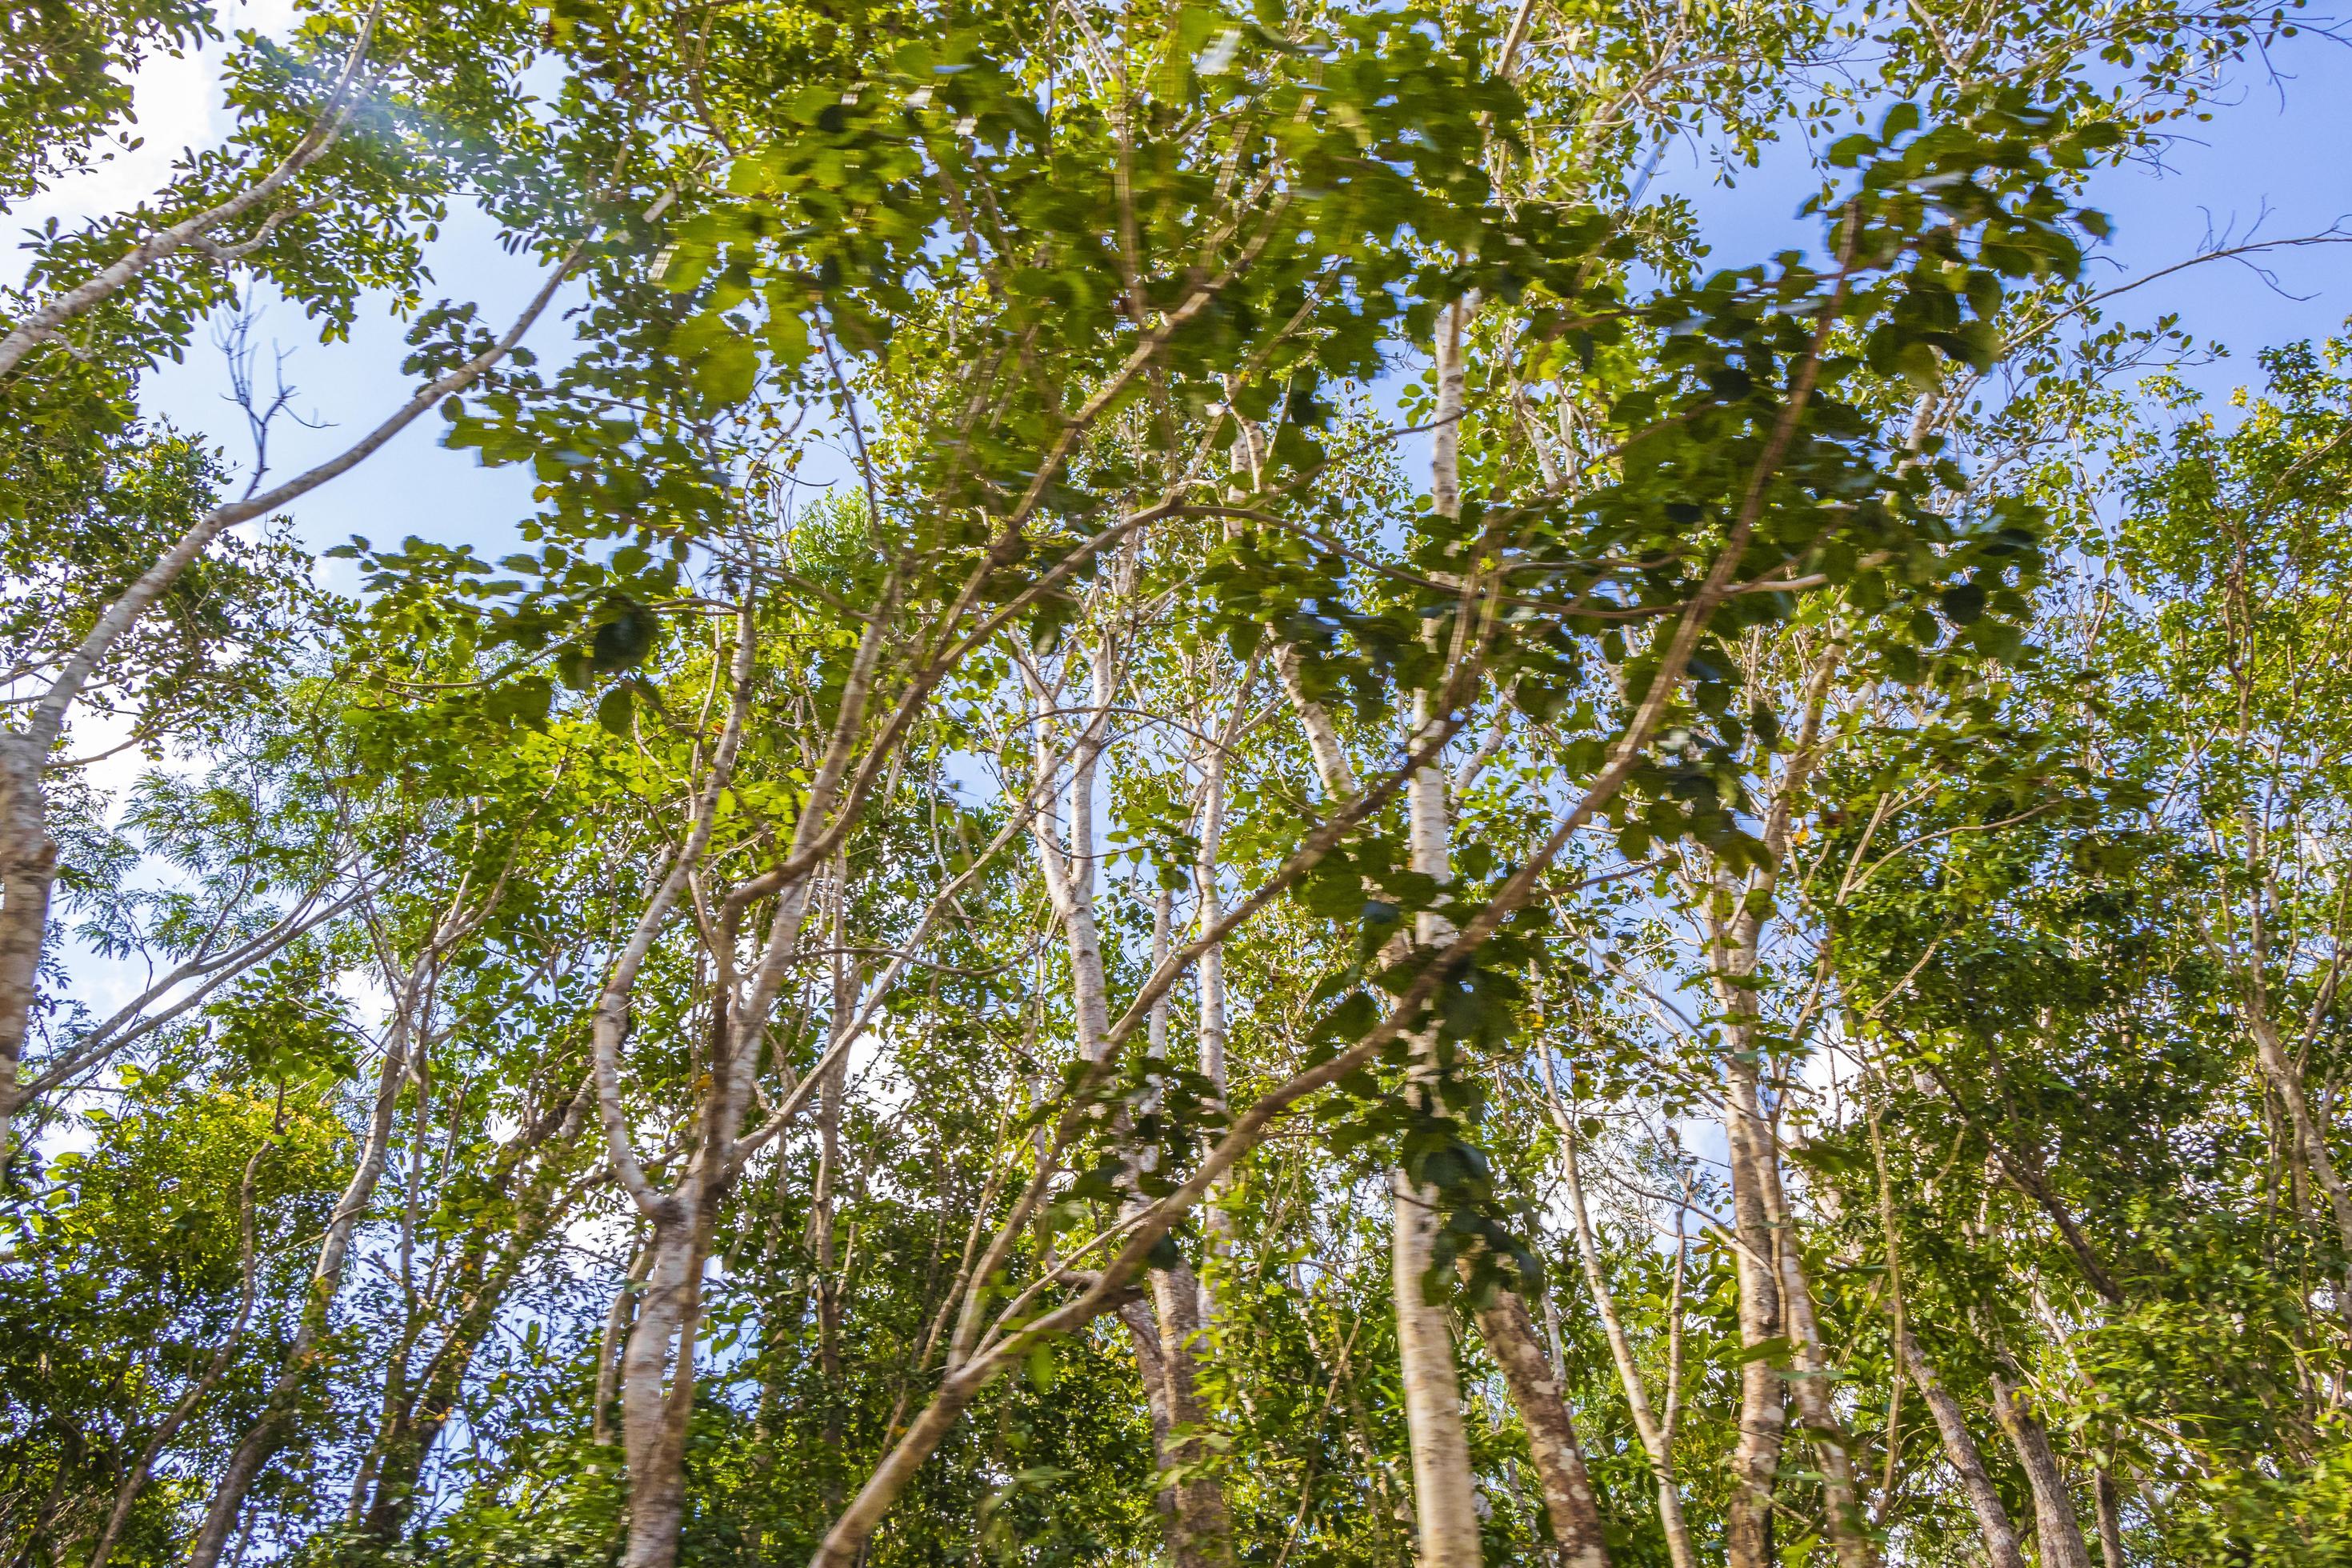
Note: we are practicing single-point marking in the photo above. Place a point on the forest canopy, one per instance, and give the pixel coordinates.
(1212, 810)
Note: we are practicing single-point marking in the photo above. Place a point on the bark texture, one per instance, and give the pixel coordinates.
(2058, 1534)
(1445, 1492)
(1202, 1528)
(2002, 1549)
(1569, 1504)
(1763, 1415)
(2111, 1518)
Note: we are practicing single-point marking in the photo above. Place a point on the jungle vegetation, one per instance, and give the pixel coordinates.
(1213, 813)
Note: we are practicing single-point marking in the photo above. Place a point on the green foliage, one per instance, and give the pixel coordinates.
(927, 803)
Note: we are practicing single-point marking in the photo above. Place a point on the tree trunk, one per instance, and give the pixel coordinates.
(823, 1263)
(1445, 1491)
(2270, 1052)
(2111, 1518)
(1960, 1451)
(1143, 1335)
(2058, 1534)
(617, 1321)
(655, 1409)
(1444, 1494)
(1209, 971)
(1657, 1436)
(1763, 1420)
(261, 1442)
(1776, 1299)
(1840, 1498)
(28, 866)
(1203, 1528)
(1569, 1503)
(1198, 1524)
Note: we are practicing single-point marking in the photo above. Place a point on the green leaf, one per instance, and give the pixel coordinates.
(617, 711)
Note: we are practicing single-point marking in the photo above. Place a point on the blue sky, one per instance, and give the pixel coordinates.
(2278, 152)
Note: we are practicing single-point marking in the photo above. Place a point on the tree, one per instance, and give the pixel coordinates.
(1183, 715)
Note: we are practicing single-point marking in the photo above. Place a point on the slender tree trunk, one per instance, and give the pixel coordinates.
(1165, 1330)
(261, 1442)
(1841, 1498)
(1761, 1206)
(655, 1408)
(417, 1428)
(1569, 1502)
(830, 1095)
(1776, 1299)
(1143, 1335)
(617, 1321)
(1204, 1527)
(2111, 1518)
(2284, 1077)
(2058, 1534)
(1763, 1420)
(1209, 971)
(1444, 1490)
(1657, 1436)
(2001, 1547)
(28, 866)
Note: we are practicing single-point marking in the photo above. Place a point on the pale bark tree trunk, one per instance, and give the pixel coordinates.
(1763, 1420)
(1142, 1326)
(826, 1284)
(655, 1417)
(655, 1408)
(28, 867)
(1332, 767)
(1849, 1532)
(1444, 1487)
(1776, 1299)
(1960, 1451)
(1165, 1331)
(617, 1321)
(1209, 969)
(2057, 1532)
(1444, 1490)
